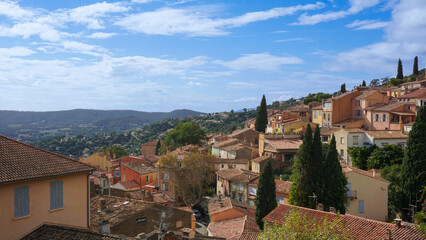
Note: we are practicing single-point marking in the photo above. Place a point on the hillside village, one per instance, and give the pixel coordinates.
(208, 189)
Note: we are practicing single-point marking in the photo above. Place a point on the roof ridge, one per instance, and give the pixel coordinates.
(44, 150)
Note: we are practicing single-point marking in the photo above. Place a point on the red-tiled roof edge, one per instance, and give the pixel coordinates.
(49, 152)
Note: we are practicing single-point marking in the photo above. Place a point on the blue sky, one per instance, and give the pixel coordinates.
(203, 55)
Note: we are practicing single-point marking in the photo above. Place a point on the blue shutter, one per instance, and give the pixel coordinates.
(349, 192)
(56, 195)
(361, 206)
(22, 201)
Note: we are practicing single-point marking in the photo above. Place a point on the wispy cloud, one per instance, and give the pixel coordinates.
(101, 35)
(260, 61)
(15, 52)
(195, 22)
(367, 24)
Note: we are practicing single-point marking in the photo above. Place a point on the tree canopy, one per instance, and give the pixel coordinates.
(400, 74)
(343, 88)
(185, 134)
(266, 199)
(416, 66)
(262, 116)
(115, 151)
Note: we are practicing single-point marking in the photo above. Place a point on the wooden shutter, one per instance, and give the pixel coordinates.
(56, 195)
(22, 201)
(361, 206)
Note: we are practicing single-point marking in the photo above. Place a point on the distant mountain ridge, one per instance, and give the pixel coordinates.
(32, 126)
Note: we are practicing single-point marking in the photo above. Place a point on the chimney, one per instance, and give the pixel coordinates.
(332, 209)
(102, 204)
(104, 227)
(374, 172)
(398, 222)
(388, 235)
(320, 207)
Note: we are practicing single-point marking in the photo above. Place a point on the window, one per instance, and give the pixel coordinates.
(328, 115)
(315, 114)
(251, 202)
(147, 178)
(280, 199)
(342, 152)
(342, 140)
(223, 166)
(180, 164)
(165, 187)
(355, 140)
(324, 116)
(385, 118)
(256, 166)
(179, 224)
(22, 201)
(349, 187)
(348, 204)
(357, 113)
(326, 105)
(124, 177)
(361, 206)
(166, 176)
(252, 190)
(56, 195)
(241, 187)
(357, 102)
(377, 118)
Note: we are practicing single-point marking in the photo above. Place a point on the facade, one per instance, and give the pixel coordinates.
(246, 136)
(223, 163)
(37, 186)
(336, 109)
(141, 173)
(281, 150)
(317, 115)
(282, 189)
(367, 194)
(392, 116)
(223, 208)
(148, 149)
(100, 160)
(234, 183)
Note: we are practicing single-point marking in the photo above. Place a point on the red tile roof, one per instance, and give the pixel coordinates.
(233, 228)
(260, 159)
(23, 162)
(226, 143)
(140, 167)
(366, 94)
(348, 169)
(419, 93)
(357, 227)
(280, 186)
(285, 143)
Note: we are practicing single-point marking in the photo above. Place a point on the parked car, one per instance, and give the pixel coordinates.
(197, 213)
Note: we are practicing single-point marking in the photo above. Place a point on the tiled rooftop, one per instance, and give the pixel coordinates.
(419, 93)
(357, 227)
(280, 186)
(21, 162)
(281, 144)
(57, 232)
(260, 159)
(365, 94)
(140, 167)
(391, 106)
(386, 134)
(348, 169)
(233, 228)
(226, 143)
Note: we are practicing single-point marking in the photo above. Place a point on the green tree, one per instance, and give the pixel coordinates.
(387, 155)
(317, 167)
(400, 74)
(184, 134)
(392, 173)
(343, 88)
(413, 168)
(360, 155)
(115, 151)
(363, 83)
(334, 180)
(297, 226)
(157, 148)
(262, 116)
(301, 188)
(266, 199)
(416, 66)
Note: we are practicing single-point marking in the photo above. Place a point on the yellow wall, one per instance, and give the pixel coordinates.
(374, 192)
(297, 126)
(73, 213)
(99, 160)
(318, 119)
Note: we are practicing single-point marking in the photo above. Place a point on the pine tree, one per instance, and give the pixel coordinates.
(157, 148)
(416, 66)
(266, 199)
(363, 83)
(343, 88)
(334, 180)
(301, 188)
(400, 74)
(413, 168)
(262, 116)
(316, 168)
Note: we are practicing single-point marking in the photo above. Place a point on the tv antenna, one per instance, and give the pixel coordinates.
(315, 198)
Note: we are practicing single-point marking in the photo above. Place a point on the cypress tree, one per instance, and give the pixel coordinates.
(334, 180)
(416, 66)
(413, 168)
(363, 83)
(317, 167)
(301, 188)
(157, 148)
(266, 199)
(262, 116)
(343, 88)
(400, 74)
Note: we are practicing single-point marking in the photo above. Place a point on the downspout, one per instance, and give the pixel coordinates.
(88, 200)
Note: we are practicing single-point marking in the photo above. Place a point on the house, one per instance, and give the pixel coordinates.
(358, 137)
(38, 186)
(100, 160)
(317, 115)
(258, 163)
(338, 108)
(326, 133)
(224, 163)
(410, 86)
(367, 194)
(301, 111)
(142, 174)
(234, 183)
(148, 149)
(246, 136)
(391, 116)
(224, 208)
(130, 217)
(282, 191)
(281, 150)
(367, 99)
(232, 149)
(234, 228)
(358, 228)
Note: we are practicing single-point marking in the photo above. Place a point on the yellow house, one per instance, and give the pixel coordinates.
(99, 159)
(37, 186)
(367, 194)
(317, 115)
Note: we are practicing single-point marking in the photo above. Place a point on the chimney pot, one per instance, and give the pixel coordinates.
(104, 227)
(398, 222)
(332, 209)
(320, 207)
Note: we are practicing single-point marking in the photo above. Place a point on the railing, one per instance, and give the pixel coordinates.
(351, 194)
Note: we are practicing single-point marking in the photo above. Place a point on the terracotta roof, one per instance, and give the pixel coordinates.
(299, 108)
(245, 176)
(357, 227)
(57, 232)
(128, 184)
(281, 144)
(240, 131)
(419, 93)
(349, 121)
(354, 130)
(260, 159)
(385, 134)
(415, 82)
(391, 106)
(233, 228)
(228, 173)
(140, 167)
(366, 94)
(231, 161)
(280, 186)
(317, 108)
(162, 197)
(219, 204)
(23, 162)
(344, 95)
(234, 147)
(226, 143)
(187, 149)
(348, 169)
(375, 106)
(327, 131)
(246, 236)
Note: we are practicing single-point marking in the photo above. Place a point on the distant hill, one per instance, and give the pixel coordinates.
(33, 126)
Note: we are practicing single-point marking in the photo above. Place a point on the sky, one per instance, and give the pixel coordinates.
(209, 56)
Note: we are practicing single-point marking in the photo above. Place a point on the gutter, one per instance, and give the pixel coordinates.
(88, 199)
(46, 177)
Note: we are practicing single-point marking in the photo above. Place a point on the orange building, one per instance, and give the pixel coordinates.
(141, 173)
(37, 187)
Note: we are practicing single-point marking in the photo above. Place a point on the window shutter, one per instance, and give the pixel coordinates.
(56, 195)
(349, 192)
(22, 201)
(361, 206)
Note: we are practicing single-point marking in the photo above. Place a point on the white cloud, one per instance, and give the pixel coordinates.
(15, 52)
(12, 10)
(404, 38)
(260, 61)
(27, 29)
(367, 24)
(195, 22)
(101, 35)
(356, 7)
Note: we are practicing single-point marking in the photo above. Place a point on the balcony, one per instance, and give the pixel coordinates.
(351, 194)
